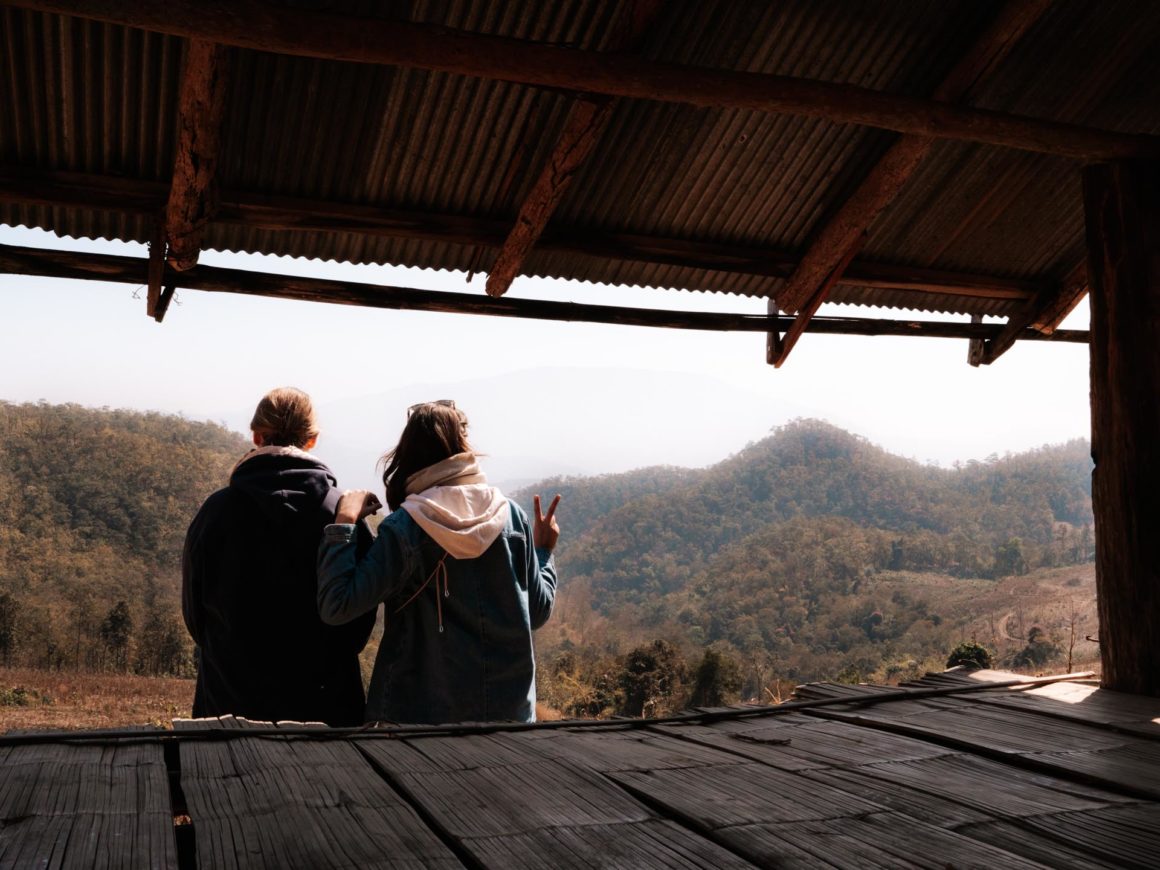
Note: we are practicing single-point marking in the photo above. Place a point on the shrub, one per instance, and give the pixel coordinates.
(969, 654)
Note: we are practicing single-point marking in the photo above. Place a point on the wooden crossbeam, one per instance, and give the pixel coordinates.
(1042, 314)
(260, 26)
(109, 193)
(201, 106)
(583, 129)
(133, 270)
(846, 232)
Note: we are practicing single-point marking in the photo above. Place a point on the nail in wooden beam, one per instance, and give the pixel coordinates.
(846, 231)
(192, 194)
(1043, 313)
(583, 129)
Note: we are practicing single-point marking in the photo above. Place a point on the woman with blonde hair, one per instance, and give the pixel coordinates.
(248, 585)
(464, 578)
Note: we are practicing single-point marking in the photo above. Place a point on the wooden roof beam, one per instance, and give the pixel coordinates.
(192, 194)
(136, 196)
(1042, 314)
(260, 26)
(845, 233)
(583, 129)
(134, 271)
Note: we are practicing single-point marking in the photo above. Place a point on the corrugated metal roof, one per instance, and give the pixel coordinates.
(88, 97)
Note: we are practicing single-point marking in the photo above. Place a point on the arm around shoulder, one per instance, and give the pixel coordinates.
(349, 586)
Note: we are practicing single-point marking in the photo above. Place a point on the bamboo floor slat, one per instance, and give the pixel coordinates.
(1051, 776)
(305, 804)
(510, 805)
(85, 806)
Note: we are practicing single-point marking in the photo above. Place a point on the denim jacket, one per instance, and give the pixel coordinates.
(457, 647)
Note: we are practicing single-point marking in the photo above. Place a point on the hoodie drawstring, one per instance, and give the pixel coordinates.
(439, 572)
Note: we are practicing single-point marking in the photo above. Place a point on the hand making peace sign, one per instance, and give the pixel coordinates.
(546, 531)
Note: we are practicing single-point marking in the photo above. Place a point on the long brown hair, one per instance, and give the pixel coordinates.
(434, 431)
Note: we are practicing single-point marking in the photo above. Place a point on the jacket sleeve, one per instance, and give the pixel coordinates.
(349, 586)
(191, 582)
(540, 572)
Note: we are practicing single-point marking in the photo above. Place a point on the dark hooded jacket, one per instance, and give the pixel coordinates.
(249, 592)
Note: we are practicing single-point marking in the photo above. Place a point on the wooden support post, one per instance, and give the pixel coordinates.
(1122, 210)
(975, 346)
(163, 301)
(156, 269)
(583, 129)
(281, 29)
(845, 233)
(192, 196)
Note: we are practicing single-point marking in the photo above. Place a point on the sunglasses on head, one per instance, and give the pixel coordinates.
(446, 403)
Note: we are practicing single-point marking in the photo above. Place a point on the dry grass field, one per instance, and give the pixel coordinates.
(52, 700)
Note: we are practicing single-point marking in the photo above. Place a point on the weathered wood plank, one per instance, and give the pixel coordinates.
(751, 807)
(266, 802)
(201, 107)
(802, 743)
(1123, 763)
(1061, 850)
(509, 805)
(85, 807)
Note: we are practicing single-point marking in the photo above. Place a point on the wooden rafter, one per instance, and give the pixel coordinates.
(133, 270)
(846, 232)
(583, 129)
(201, 106)
(280, 29)
(80, 190)
(1042, 314)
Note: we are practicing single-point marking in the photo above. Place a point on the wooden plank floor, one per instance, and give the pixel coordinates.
(85, 806)
(1054, 776)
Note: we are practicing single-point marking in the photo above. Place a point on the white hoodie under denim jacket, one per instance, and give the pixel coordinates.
(463, 589)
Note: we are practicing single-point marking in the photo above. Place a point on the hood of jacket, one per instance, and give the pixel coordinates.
(464, 520)
(284, 482)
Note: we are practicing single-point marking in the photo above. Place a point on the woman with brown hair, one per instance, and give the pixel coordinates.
(248, 591)
(464, 577)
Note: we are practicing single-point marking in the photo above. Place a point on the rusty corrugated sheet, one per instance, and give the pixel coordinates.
(81, 96)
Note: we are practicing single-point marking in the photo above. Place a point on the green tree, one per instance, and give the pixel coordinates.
(1039, 650)
(969, 654)
(652, 676)
(115, 631)
(717, 681)
(7, 627)
(161, 645)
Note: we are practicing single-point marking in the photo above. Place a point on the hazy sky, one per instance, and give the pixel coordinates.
(542, 397)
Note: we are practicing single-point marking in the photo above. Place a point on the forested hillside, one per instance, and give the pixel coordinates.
(812, 554)
(94, 505)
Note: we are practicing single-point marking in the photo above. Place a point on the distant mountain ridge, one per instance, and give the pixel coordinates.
(651, 531)
(815, 554)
